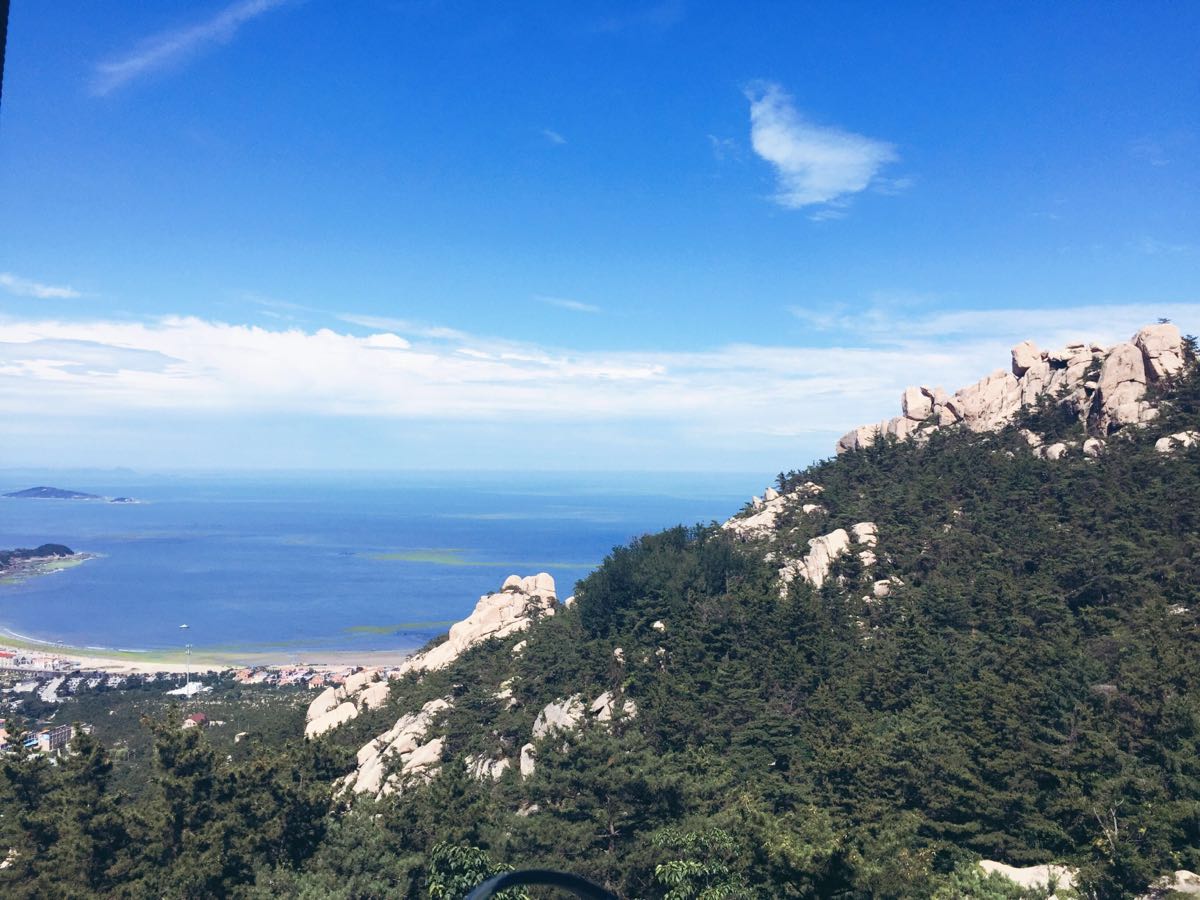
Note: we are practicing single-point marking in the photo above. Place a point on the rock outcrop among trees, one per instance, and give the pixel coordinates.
(1105, 388)
(982, 681)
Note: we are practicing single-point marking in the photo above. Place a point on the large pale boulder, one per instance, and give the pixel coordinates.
(1162, 349)
(862, 437)
(374, 695)
(608, 705)
(398, 743)
(865, 533)
(1033, 877)
(481, 767)
(327, 700)
(424, 757)
(1056, 451)
(1036, 381)
(511, 609)
(916, 404)
(823, 550)
(359, 680)
(883, 587)
(1024, 355)
(990, 402)
(602, 707)
(763, 521)
(1185, 439)
(343, 712)
(1122, 385)
(901, 427)
(560, 715)
(1181, 882)
(528, 762)
(540, 585)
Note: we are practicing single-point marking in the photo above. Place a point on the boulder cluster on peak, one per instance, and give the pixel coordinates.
(516, 606)
(1104, 387)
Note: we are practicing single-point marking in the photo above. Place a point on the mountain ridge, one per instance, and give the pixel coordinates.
(837, 544)
(1105, 387)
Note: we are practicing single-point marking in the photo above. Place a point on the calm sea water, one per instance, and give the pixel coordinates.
(298, 563)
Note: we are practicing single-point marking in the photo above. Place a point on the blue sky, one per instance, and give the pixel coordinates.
(542, 235)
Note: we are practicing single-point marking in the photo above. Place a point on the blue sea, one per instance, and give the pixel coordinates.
(291, 565)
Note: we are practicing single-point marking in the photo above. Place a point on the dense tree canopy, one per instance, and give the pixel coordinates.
(1029, 691)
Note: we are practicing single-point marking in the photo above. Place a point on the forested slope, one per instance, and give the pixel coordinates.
(1026, 688)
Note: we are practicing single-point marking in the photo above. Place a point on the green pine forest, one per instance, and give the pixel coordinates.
(1029, 692)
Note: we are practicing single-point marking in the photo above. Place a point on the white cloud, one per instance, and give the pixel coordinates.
(968, 343)
(724, 148)
(417, 329)
(1150, 151)
(24, 287)
(1154, 247)
(573, 305)
(387, 341)
(553, 136)
(171, 47)
(726, 397)
(654, 17)
(814, 164)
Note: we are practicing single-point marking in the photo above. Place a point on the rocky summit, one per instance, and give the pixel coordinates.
(1104, 386)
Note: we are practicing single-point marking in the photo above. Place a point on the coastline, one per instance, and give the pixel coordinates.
(38, 566)
(54, 656)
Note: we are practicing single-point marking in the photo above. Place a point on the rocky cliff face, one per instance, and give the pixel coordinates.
(1105, 387)
(516, 606)
(411, 750)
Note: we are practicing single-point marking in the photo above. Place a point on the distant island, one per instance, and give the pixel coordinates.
(19, 564)
(24, 554)
(43, 492)
(52, 493)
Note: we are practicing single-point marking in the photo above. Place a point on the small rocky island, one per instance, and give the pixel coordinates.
(42, 492)
(26, 561)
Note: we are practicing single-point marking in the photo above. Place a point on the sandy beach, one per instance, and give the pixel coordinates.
(53, 656)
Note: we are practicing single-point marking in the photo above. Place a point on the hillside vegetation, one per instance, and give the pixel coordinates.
(1027, 690)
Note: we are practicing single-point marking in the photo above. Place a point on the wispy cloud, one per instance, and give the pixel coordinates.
(573, 305)
(170, 48)
(814, 164)
(974, 334)
(1150, 151)
(101, 368)
(892, 187)
(1154, 247)
(553, 136)
(405, 326)
(724, 148)
(652, 17)
(25, 287)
